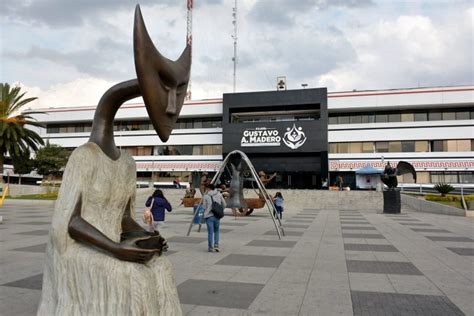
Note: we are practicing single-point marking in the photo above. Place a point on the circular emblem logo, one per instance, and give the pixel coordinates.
(294, 137)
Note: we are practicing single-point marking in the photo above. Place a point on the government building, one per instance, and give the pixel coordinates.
(305, 136)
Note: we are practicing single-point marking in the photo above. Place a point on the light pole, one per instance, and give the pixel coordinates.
(304, 85)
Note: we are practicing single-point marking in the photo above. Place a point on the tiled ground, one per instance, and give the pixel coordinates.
(352, 262)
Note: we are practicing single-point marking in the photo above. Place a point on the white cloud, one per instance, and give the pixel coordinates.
(80, 92)
(342, 44)
(406, 51)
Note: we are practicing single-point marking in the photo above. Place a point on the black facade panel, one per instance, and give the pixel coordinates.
(296, 149)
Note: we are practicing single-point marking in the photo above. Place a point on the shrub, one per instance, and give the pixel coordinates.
(443, 188)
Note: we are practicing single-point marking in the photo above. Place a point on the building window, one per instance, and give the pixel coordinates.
(343, 148)
(407, 117)
(368, 147)
(355, 147)
(344, 120)
(422, 146)
(449, 116)
(438, 145)
(212, 150)
(333, 148)
(395, 117)
(395, 147)
(466, 177)
(381, 147)
(197, 150)
(421, 116)
(369, 118)
(333, 120)
(434, 116)
(408, 146)
(52, 129)
(356, 119)
(381, 118)
(422, 177)
(462, 115)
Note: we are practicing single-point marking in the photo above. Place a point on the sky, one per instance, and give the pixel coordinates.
(69, 52)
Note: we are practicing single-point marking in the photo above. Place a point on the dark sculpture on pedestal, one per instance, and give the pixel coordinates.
(391, 196)
(96, 250)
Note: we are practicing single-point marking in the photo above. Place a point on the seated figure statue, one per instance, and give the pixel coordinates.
(99, 261)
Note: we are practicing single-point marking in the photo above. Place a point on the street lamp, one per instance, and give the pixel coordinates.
(304, 85)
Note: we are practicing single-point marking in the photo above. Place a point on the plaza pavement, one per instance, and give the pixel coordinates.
(351, 262)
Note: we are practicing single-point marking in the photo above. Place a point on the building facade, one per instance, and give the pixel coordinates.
(432, 128)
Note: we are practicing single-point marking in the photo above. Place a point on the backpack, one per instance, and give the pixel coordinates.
(217, 209)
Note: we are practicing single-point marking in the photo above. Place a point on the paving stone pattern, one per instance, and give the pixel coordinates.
(353, 262)
(374, 303)
(363, 266)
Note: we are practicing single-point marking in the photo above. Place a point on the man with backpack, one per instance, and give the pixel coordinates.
(214, 205)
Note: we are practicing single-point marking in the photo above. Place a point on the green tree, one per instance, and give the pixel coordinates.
(15, 138)
(23, 164)
(50, 160)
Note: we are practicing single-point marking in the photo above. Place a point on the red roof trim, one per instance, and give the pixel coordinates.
(394, 93)
(330, 95)
(122, 107)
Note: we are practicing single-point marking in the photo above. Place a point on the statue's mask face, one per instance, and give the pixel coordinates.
(163, 82)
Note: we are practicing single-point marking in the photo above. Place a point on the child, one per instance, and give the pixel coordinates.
(158, 204)
(278, 200)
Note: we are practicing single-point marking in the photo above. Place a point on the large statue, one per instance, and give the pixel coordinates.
(236, 188)
(391, 197)
(389, 177)
(99, 261)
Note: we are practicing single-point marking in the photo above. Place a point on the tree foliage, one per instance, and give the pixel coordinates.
(50, 160)
(23, 164)
(15, 138)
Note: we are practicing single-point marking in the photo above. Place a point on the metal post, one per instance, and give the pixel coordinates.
(234, 36)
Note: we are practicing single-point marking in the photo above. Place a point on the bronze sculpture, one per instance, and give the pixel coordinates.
(389, 177)
(391, 197)
(163, 84)
(98, 259)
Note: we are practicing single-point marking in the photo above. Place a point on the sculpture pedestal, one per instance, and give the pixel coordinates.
(391, 202)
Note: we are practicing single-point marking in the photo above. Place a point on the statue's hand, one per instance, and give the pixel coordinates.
(155, 242)
(128, 250)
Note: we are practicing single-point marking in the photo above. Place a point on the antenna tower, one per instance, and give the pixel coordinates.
(189, 38)
(234, 36)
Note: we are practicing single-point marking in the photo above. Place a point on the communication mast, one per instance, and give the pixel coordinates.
(189, 38)
(234, 36)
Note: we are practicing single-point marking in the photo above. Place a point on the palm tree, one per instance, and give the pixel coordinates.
(15, 138)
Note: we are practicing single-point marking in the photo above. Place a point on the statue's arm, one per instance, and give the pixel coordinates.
(128, 223)
(83, 232)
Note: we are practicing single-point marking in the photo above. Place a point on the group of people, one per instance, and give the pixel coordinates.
(158, 205)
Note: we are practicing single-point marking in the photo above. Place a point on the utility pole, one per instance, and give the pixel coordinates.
(234, 36)
(189, 39)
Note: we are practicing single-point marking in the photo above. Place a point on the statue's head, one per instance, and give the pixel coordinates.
(163, 82)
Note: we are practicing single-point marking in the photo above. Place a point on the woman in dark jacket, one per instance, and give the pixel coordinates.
(160, 203)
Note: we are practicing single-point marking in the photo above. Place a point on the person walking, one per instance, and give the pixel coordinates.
(212, 223)
(158, 204)
(278, 201)
(340, 183)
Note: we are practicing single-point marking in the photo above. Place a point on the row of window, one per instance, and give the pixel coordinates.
(451, 177)
(174, 150)
(403, 146)
(402, 116)
(276, 118)
(134, 125)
